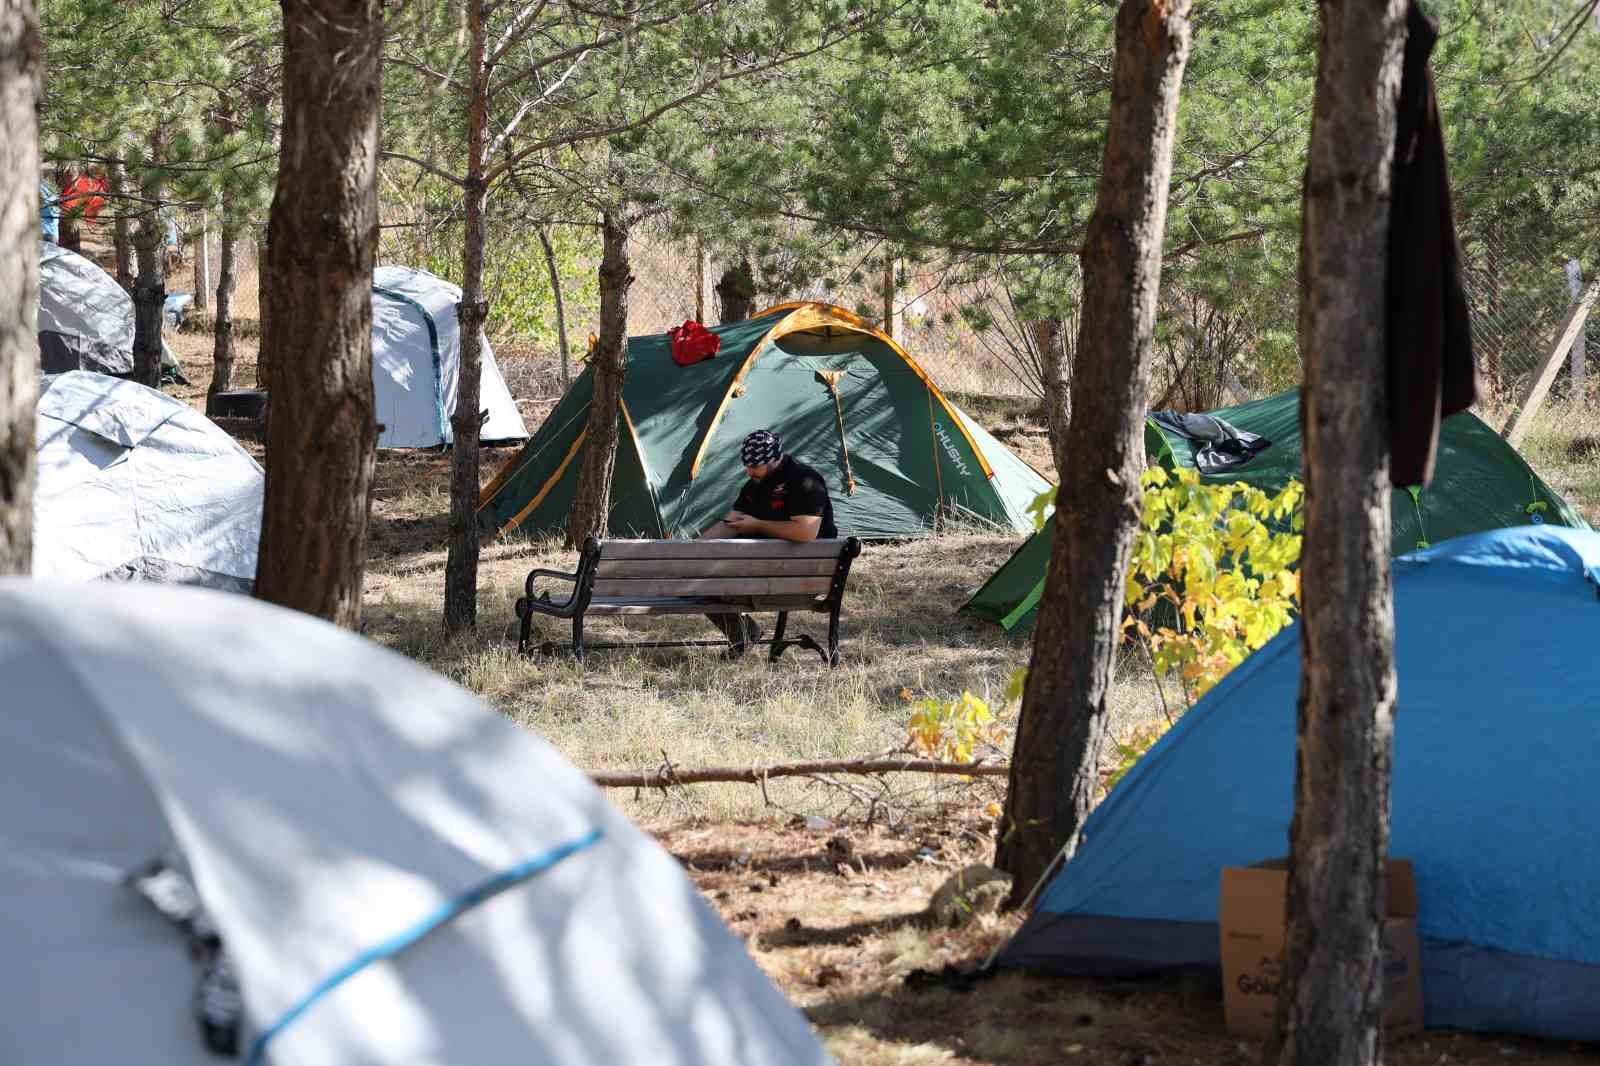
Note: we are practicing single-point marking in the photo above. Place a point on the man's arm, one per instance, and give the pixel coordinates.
(800, 529)
(718, 530)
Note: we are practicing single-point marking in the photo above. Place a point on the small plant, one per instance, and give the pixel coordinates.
(953, 730)
(1220, 559)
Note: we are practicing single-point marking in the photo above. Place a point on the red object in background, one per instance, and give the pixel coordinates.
(692, 342)
(82, 190)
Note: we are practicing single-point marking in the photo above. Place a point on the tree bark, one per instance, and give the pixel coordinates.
(561, 305)
(150, 287)
(117, 180)
(1055, 374)
(736, 290)
(609, 365)
(222, 323)
(20, 50)
(317, 297)
(1055, 762)
(461, 562)
(1331, 999)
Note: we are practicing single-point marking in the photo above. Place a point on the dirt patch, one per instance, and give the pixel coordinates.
(839, 936)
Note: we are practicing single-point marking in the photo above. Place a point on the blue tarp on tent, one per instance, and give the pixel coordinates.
(1497, 734)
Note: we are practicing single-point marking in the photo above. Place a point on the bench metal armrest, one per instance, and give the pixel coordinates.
(542, 604)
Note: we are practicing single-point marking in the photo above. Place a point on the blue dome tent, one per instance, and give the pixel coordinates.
(1496, 732)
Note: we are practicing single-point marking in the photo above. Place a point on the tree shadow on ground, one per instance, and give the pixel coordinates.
(1028, 1020)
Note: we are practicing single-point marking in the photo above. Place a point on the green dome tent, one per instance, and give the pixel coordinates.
(845, 398)
(1479, 483)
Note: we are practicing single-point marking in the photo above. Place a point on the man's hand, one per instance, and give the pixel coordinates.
(743, 523)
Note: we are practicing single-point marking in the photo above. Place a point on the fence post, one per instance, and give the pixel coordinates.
(1517, 425)
(1576, 360)
(699, 280)
(891, 319)
(202, 267)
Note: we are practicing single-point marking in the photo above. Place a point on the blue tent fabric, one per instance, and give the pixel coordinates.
(1496, 732)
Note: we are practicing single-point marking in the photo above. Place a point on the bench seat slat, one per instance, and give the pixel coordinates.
(712, 549)
(701, 568)
(738, 587)
(706, 605)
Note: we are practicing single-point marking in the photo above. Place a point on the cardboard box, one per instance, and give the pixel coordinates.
(1251, 917)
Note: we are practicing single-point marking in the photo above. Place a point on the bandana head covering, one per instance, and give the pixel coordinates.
(761, 448)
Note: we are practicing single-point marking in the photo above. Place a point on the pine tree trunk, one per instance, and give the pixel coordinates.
(609, 365)
(1056, 760)
(1331, 998)
(736, 290)
(117, 181)
(317, 297)
(461, 562)
(149, 288)
(222, 323)
(561, 305)
(20, 49)
(1055, 375)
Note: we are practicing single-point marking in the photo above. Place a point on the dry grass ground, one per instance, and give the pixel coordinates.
(828, 912)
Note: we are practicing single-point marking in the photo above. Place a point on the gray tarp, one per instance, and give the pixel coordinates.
(136, 485)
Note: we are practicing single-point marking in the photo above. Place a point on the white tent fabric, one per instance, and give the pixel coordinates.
(136, 485)
(85, 317)
(416, 359)
(330, 800)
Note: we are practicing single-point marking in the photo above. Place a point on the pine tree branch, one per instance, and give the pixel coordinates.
(601, 42)
(459, 183)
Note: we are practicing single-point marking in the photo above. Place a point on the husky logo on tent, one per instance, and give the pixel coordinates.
(950, 449)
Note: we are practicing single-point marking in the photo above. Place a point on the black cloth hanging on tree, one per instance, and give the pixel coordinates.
(1431, 371)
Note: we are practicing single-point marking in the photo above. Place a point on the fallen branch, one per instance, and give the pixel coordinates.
(670, 776)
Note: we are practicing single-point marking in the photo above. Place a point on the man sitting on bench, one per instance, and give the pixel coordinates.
(783, 500)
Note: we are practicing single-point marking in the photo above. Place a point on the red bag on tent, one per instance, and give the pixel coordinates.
(692, 342)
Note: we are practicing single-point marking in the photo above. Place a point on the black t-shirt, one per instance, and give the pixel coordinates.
(794, 489)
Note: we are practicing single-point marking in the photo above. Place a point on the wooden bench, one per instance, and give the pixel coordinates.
(642, 577)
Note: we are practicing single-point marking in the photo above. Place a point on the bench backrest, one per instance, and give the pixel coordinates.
(741, 568)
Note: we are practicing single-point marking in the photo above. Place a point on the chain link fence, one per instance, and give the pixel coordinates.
(1519, 291)
(674, 281)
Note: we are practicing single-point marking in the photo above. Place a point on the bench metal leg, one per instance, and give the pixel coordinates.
(779, 645)
(525, 635)
(832, 658)
(577, 637)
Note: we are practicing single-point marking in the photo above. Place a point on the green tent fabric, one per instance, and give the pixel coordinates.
(913, 457)
(1479, 483)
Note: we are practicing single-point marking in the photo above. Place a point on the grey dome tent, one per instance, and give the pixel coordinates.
(416, 361)
(395, 873)
(86, 319)
(135, 485)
